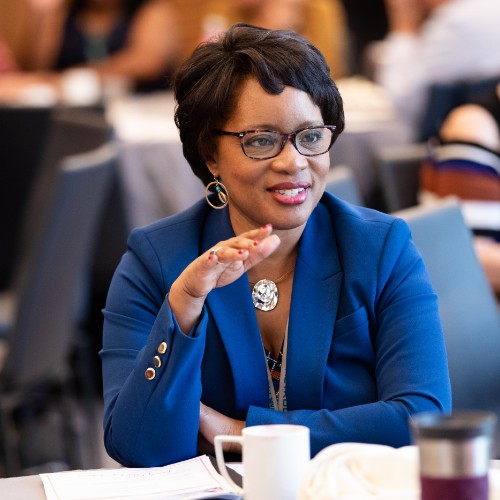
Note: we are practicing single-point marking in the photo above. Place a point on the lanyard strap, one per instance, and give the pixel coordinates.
(277, 399)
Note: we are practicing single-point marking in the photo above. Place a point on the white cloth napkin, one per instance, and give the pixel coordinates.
(355, 471)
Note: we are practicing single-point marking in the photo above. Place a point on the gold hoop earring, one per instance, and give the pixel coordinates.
(221, 191)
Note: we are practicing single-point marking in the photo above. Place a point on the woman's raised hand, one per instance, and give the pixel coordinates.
(219, 266)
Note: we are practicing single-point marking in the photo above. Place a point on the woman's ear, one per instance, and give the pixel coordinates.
(211, 163)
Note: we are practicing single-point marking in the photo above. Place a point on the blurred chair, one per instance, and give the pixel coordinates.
(341, 183)
(70, 131)
(74, 130)
(467, 305)
(34, 140)
(23, 133)
(399, 175)
(41, 312)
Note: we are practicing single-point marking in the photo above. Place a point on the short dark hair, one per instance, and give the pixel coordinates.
(206, 84)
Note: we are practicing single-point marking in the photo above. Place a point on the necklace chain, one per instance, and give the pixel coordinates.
(277, 281)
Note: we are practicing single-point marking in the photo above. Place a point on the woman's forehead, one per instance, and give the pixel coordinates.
(256, 107)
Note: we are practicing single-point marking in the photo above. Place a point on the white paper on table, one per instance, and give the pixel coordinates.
(191, 479)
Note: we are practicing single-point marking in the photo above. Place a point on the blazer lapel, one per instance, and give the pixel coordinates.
(313, 311)
(232, 309)
(315, 297)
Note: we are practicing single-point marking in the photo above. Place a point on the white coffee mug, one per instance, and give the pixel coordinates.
(274, 458)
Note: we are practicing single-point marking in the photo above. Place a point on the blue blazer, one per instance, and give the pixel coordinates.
(365, 346)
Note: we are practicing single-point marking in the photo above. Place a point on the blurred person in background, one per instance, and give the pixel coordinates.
(464, 161)
(321, 21)
(7, 63)
(136, 39)
(432, 42)
(367, 21)
(131, 41)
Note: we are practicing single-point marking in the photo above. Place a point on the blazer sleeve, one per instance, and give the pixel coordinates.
(410, 364)
(144, 416)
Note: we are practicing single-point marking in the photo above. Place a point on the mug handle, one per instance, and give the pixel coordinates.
(219, 455)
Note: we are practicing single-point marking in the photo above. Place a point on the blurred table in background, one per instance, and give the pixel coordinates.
(157, 181)
(371, 124)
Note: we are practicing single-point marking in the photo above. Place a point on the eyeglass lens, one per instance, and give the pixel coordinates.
(266, 144)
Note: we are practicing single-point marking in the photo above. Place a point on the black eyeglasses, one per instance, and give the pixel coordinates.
(265, 144)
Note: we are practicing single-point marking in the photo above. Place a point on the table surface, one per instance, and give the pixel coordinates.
(31, 487)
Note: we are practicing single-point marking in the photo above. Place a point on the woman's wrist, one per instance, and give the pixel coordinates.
(186, 308)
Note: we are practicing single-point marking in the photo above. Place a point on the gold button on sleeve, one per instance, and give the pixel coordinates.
(150, 373)
(157, 361)
(162, 348)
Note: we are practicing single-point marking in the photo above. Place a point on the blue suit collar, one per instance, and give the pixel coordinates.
(315, 298)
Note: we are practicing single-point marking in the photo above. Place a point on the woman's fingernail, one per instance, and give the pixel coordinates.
(241, 251)
(256, 243)
(267, 226)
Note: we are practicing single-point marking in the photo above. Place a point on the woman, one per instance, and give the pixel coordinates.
(334, 296)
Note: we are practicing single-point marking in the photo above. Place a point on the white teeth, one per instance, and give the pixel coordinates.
(290, 192)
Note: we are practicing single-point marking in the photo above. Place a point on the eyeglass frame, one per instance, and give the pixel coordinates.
(284, 136)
